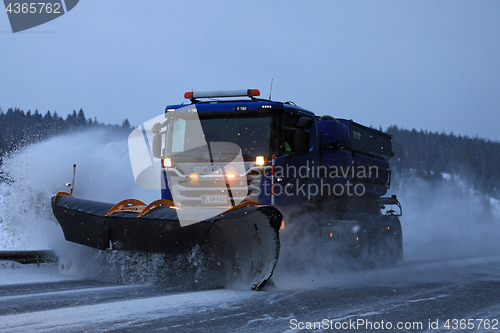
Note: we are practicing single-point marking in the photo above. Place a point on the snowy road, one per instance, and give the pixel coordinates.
(412, 293)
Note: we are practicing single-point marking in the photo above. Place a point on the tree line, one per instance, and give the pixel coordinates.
(432, 154)
(19, 128)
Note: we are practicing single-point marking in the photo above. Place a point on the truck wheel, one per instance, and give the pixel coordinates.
(377, 250)
(393, 243)
(389, 252)
(366, 251)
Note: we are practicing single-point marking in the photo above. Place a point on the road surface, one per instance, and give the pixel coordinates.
(409, 297)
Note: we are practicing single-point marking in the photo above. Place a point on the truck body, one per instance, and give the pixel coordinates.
(335, 171)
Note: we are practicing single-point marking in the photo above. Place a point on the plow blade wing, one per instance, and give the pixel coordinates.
(252, 234)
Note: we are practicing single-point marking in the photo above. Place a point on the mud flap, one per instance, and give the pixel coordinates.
(253, 236)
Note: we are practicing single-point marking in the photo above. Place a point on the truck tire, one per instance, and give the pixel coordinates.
(391, 241)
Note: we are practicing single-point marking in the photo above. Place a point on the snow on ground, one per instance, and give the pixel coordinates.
(458, 270)
(126, 312)
(203, 308)
(12, 272)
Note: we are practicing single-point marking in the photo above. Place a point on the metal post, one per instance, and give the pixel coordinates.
(73, 180)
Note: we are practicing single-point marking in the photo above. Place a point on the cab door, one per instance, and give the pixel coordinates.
(296, 168)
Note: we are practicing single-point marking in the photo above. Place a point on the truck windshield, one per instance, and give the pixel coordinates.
(253, 135)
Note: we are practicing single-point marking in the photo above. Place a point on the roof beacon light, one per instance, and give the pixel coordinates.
(215, 94)
(253, 92)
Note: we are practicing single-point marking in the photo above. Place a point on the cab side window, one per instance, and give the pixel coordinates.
(296, 140)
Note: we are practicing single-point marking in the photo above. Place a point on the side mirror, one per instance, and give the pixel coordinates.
(157, 145)
(157, 128)
(304, 122)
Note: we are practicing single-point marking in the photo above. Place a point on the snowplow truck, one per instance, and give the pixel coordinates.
(295, 161)
(236, 171)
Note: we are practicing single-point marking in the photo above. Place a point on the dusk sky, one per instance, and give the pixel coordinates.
(431, 65)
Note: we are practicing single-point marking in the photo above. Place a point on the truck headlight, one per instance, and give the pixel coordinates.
(167, 162)
(260, 161)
